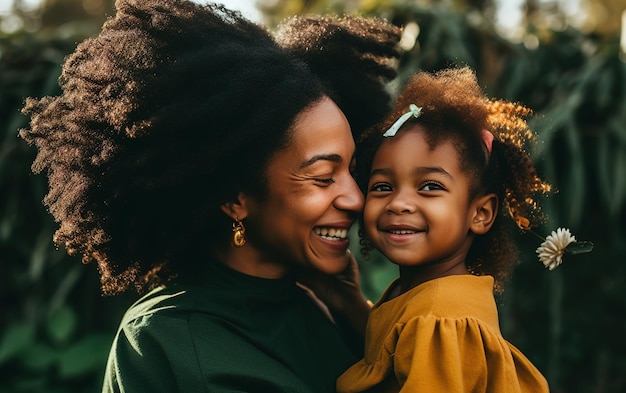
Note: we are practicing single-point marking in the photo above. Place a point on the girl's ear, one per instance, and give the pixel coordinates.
(485, 210)
(236, 209)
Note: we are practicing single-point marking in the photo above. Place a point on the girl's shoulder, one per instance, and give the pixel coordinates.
(450, 297)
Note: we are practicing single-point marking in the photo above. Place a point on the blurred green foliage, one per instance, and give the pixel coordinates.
(55, 328)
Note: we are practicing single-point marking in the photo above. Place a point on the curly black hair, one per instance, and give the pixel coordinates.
(454, 108)
(173, 109)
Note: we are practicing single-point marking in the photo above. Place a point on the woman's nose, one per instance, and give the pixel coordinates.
(350, 197)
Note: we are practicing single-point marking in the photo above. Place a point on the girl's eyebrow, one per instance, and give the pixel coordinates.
(423, 170)
(380, 171)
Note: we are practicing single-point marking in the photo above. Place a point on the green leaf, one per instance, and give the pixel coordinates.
(32, 384)
(579, 247)
(15, 339)
(87, 355)
(576, 179)
(38, 357)
(61, 324)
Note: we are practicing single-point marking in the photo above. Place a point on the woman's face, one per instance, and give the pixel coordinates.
(312, 198)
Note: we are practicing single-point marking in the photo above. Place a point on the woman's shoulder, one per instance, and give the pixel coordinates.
(161, 300)
(154, 348)
(172, 311)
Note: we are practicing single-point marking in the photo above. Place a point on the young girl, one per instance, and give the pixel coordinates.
(448, 175)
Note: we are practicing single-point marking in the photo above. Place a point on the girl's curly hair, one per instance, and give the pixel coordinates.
(455, 108)
(172, 110)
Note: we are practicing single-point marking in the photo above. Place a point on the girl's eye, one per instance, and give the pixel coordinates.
(432, 186)
(381, 187)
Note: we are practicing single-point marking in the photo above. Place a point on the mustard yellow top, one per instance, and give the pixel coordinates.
(441, 336)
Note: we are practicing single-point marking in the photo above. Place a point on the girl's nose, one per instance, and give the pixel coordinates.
(401, 203)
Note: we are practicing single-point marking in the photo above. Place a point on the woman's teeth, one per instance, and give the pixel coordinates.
(332, 233)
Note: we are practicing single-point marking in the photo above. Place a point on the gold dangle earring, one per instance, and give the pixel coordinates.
(239, 238)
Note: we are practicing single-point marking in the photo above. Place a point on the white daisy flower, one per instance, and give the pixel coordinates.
(551, 251)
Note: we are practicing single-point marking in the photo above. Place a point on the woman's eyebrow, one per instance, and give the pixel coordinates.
(321, 157)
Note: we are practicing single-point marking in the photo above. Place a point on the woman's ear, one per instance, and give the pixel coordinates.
(236, 209)
(485, 210)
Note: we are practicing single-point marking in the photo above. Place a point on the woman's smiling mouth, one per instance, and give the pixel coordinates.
(329, 233)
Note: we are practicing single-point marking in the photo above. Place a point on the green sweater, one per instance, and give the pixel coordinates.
(235, 333)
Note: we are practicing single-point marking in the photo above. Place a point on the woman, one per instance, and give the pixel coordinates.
(194, 155)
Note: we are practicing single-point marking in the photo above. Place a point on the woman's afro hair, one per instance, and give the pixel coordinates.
(172, 110)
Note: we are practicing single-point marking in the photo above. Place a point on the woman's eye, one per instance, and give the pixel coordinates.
(325, 181)
(381, 187)
(432, 186)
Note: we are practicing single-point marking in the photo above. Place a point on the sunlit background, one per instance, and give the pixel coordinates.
(509, 14)
(510, 17)
(562, 58)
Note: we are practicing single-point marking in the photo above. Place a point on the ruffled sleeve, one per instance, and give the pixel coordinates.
(460, 355)
(442, 336)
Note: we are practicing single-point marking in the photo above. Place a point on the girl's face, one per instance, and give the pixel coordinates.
(312, 199)
(417, 208)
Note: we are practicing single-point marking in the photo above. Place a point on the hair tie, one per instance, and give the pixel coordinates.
(487, 138)
(414, 111)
